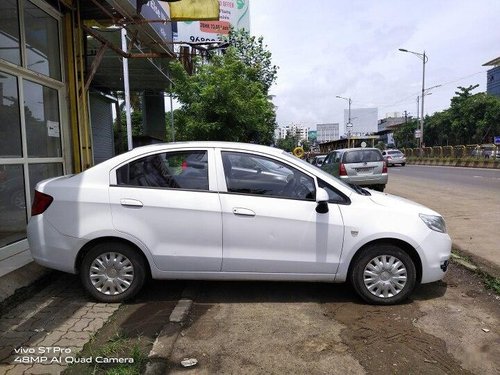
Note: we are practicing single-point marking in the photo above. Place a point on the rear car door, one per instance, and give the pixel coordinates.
(168, 201)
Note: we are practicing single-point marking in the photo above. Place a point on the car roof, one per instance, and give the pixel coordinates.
(355, 149)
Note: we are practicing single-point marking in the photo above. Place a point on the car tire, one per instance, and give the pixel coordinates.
(113, 271)
(379, 283)
(379, 188)
(403, 164)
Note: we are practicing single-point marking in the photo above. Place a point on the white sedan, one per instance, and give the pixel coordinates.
(231, 211)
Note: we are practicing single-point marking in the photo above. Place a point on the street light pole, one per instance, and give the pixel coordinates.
(424, 59)
(349, 124)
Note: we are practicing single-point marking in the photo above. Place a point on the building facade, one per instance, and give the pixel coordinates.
(327, 132)
(299, 131)
(58, 84)
(493, 81)
(364, 121)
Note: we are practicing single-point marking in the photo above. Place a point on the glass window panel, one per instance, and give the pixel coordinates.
(257, 175)
(10, 127)
(175, 170)
(9, 32)
(39, 172)
(41, 109)
(42, 41)
(12, 204)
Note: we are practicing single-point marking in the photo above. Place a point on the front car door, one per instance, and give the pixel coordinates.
(168, 201)
(270, 223)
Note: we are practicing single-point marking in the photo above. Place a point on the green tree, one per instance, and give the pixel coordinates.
(288, 143)
(404, 135)
(255, 56)
(222, 101)
(471, 118)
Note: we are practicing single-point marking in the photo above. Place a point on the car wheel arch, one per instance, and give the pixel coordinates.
(405, 246)
(96, 241)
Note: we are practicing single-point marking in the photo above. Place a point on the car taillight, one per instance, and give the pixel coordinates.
(40, 203)
(384, 168)
(342, 171)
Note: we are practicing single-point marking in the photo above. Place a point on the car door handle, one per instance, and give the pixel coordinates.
(243, 211)
(126, 202)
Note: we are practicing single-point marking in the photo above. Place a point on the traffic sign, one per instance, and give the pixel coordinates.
(418, 133)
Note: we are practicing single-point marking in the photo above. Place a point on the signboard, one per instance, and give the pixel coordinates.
(496, 139)
(418, 133)
(235, 13)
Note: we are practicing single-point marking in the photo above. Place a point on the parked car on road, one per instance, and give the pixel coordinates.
(318, 160)
(393, 157)
(486, 151)
(183, 211)
(359, 166)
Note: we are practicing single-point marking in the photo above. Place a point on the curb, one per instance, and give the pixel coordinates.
(158, 358)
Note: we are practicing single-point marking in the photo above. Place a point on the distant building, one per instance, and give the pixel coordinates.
(327, 132)
(313, 135)
(301, 132)
(388, 125)
(392, 120)
(493, 77)
(364, 121)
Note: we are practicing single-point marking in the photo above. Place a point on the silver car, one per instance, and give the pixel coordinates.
(393, 157)
(358, 166)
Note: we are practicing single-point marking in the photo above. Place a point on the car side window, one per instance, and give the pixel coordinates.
(257, 175)
(334, 195)
(175, 170)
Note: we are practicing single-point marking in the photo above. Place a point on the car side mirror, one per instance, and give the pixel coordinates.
(322, 199)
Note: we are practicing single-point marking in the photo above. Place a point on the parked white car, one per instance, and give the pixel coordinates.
(181, 211)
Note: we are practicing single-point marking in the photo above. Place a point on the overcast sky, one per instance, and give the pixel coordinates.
(326, 48)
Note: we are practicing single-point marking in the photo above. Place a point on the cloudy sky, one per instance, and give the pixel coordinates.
(326, 48)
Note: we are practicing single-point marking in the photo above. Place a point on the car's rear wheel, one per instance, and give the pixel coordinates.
(113, 271)
(384, 275)
(403, 164)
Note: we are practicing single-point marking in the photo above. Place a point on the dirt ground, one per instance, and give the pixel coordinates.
(451, 327)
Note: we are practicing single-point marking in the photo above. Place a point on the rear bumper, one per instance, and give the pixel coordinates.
(50, 248)
(365, 180)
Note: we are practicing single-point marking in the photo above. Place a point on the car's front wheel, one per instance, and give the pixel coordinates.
(113, 271)
(384, 275)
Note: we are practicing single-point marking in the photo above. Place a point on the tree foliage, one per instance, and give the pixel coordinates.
(471, 118)
(223, 101)
(288, 143)
(254, 54)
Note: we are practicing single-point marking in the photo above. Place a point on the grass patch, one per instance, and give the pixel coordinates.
(490, 282)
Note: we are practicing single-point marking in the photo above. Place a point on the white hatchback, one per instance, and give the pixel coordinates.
(230, 211)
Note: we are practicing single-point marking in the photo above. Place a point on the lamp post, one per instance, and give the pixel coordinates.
(349, 124)
(424, 59)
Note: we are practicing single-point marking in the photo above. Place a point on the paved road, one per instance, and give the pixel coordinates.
(487, 179)
(469, 204)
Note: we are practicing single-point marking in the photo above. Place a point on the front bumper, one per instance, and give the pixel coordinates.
(435, 253)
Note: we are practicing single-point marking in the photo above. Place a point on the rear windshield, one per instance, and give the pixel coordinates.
(361, 156)
(394, 152)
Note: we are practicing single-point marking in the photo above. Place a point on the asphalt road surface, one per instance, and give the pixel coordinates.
(487, 179)
(468, 199)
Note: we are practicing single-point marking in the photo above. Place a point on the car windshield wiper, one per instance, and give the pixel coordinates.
(360, 190)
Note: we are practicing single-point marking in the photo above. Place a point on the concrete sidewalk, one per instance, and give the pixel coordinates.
(472, 219)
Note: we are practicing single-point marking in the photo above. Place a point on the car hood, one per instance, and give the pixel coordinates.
(398, 203)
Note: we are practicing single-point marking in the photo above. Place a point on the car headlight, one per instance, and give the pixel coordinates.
(434, 222)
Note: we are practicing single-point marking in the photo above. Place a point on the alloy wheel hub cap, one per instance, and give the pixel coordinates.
(385, 276)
